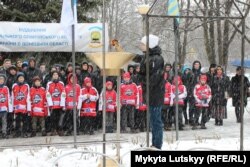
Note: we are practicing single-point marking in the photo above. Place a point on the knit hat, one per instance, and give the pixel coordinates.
(153, 41)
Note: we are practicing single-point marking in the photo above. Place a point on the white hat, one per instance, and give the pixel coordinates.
(153, 41)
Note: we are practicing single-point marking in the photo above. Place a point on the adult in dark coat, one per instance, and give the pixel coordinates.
(235, 92)
(156, 86)
(220, 89)
(194, 79)
(84, 73)
(32, 71)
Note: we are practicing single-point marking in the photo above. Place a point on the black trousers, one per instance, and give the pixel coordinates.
(21, 123)
(203, 111)
(127, 117)
(56, 119)
(180, 116)
(87, 124)
(140, 119)
(167, 115)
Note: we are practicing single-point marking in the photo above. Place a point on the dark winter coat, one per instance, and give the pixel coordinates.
(30, 73)
(235, 89)
(85, 74)
(193, 80)
(220, 86)
(10, 81)
(156, 76)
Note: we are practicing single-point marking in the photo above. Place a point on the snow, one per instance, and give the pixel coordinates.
(225, 137)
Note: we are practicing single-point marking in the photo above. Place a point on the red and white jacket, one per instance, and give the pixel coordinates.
(87, 106)
(38, 102)
(55, 94)
(110, 101)
(167, 95)
(21, 98)
(182, 94)
(69, 105)
(5, 100)
(129, 95)
(142, 106)
(202, 95)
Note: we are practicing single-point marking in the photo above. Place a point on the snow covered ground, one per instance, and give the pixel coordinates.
(225, 137)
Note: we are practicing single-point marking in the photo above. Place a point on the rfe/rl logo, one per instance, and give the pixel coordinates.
(37, 99)
(20, 96)
(2, 98)
(56, 93)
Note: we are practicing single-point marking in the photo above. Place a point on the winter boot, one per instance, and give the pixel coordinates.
(33, 134)
(25, 135)
(203, 126)
(4, 136)
(216, 122)
(44, 133)
(60, 133)
(194, 127)
(221, 122)
(17, 134)
(186, 122)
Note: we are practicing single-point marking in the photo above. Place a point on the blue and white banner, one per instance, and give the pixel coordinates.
(50, 37)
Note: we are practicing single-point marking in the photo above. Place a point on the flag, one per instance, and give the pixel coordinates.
(68, 17)
(173, 9)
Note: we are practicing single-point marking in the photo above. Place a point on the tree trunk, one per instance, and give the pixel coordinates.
(219, 32)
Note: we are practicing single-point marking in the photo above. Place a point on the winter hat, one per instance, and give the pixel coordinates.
(126, 75)
(153, 41)
(87, 80)
(19, 74)
(25, 64)
(203, 78)
(212, 66)
(36, 78)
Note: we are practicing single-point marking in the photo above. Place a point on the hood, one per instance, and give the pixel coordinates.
(196, 61)
(69, 76)
(87, 80)
(84, 62)
(32, 59)
(185, 68)
(155, 51)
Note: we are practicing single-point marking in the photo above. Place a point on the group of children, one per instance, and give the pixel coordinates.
(202, 94)
(56, 102)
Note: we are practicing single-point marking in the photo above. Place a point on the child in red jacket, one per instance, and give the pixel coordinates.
(21, 105)
(55, 94)
(202, 95)
(69, 105)
(5, 104)
(87, 106)
(129, 102)
(38, 106)
(110, 106)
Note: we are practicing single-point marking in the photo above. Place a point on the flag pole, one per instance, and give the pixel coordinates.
(73, 2)
(104, 81)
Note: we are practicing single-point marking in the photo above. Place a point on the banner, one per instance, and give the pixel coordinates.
(49, 37)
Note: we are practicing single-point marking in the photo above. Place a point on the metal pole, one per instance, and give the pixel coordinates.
(74, 74)
(242, 85)
(104, 80)
(147, 77)
(118, 116)
(176, 34)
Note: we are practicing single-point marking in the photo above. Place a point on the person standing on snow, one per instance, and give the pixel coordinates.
(87, 102)
(156, 85)
(235, 92)
(5, 104)
(202, 95)
(55, 94)
(220, 89)
(194, 79)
